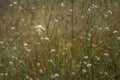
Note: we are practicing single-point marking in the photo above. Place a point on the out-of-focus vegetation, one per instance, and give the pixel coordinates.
(59, 40)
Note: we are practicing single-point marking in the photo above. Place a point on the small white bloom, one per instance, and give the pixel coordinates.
(107, 28)
(84, 70)
(73, 73)
(10, 5)
(38, 64)
(118, 37)
(84, 62)
(109, 11)
(33, 8)
(47, 38)
(106, 73)
(22, 19)
(20, 8)
(106, 54)
(40, 26)
(86, 57)
(71, 10)
(41, 71)
(27, 77)
(97, 58)
(114, 32)
(11, 62)
(15, 3)
(12, 28)
(30, 78)
(93, 45)
(89, 65)
(100, 28)
(89, 9)
(81, 37)
(6, 74)
(50, 60)
(55, 75)
(100, 41)
(1, 42)
(25, 44)
(105, 15)
(52, 50)
(56, 20)
(89, 35)
(62, 5)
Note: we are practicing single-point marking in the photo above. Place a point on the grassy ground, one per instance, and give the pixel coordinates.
(60, 40)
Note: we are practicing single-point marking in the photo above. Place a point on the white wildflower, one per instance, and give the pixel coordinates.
(6, 74)
(27, 77)
(11, 62)
(107, 28)
(106, 54)
(93, 45)
(15, 3)
(55, 75)
(50, 60)
(47, 38)
(52, 50)
(33, 8)
(25, 44)
(89, 9)
(84, 70)
(114, 32)
(38, 64)
(56, 20)
(10, 5)
(30, 78)
(97, 58)
(41, 71)
(12, 28)
(62, 5)
(39, 29)
(84, 62)
(106, 73)
(89, 65)
(86, 57)
(109, 11)
(118, 37)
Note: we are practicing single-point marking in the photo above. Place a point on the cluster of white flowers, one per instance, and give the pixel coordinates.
(14, 3)
(26, 47)
(39, 29)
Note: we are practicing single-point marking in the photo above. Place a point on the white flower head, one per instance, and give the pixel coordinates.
(118, 37)
(47, 38)
(86, 57)
(89, 65)
(114, 32)
(52, 50)
(41, 71)
(62, 5)
(107, 28)
(106, 54)
(15, 2)
(84, 70)
(55, 75)
(39, 29)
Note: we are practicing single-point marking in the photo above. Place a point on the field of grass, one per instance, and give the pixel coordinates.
(60, 40)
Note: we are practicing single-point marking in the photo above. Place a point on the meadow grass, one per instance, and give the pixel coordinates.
(60, 40)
